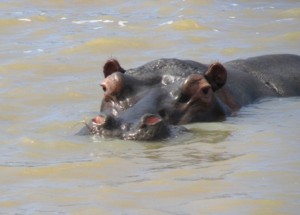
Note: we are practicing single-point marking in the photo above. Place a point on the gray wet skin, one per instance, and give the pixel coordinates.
(150, 101)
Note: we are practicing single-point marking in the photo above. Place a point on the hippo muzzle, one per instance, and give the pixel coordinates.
(148, 127)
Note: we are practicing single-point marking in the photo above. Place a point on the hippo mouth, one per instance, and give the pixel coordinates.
(148, 127)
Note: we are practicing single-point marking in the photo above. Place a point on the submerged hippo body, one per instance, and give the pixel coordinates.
(144, 102)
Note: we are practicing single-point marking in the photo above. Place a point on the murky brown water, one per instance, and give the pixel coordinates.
(51, 57)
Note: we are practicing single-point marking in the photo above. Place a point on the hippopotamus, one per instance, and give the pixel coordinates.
(152, 100)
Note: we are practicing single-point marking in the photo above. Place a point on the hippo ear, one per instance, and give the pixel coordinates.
(216, 75)
(111, 66)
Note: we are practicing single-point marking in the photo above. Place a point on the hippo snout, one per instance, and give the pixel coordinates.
(148, 127)
(104, 125)
(104, 121)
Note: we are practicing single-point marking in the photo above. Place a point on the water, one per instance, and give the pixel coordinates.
(51, 57)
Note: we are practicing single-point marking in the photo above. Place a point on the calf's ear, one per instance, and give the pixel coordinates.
(216, 75)
(111, 66)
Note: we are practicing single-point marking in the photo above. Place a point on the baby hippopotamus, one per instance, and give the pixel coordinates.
(151, 101)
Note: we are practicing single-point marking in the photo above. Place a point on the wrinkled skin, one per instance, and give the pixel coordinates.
(146, 103)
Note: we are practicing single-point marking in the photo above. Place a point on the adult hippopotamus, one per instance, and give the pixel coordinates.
(145, 103)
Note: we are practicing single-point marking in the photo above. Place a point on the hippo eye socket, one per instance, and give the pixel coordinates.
(183, 98)
(205, 90)
(103, 87)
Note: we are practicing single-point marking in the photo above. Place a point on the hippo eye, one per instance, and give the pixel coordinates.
(205, 90)
(103, 88)
(113, 84)
(183, 98)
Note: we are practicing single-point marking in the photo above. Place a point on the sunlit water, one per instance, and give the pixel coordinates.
(51, 56)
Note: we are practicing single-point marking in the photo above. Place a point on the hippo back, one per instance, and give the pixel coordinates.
(164, 66)
(277, 73)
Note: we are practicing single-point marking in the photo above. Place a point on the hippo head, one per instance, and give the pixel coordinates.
(145, 105)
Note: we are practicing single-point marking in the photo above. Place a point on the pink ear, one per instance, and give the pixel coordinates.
(111, 66)
(99, 120)
(152, 120)
(216, 75)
